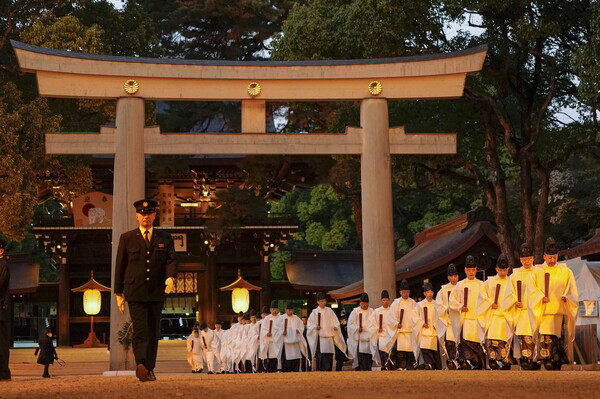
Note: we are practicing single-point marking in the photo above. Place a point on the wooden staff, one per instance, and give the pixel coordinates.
(380, 321)
(204, 342)
(285, 321)
(360, 320)
(466, 299)
(449, 292)
(497, 294)
(270, 326)
(318, 319)
(519, 290)
(546, 284)
(401, 316)
(425, 312)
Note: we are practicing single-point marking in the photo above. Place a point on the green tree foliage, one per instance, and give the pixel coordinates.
(86, 26)
(511, 134)
(212, 29)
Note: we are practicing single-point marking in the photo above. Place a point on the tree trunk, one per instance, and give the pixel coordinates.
(500, 208)
(357, 210)
(527, 201)
(540, 221)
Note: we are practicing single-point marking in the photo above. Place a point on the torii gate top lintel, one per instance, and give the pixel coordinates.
(63, 73)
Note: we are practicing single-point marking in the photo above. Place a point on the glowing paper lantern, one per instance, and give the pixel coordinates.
(240, 295)
(92, 302)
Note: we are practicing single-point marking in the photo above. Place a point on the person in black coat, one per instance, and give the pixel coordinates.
(340, 357)
(145, 271)
(4, 316)
(47, 353)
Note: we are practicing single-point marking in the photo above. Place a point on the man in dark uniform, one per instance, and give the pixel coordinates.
(4, 315)
(145, 271)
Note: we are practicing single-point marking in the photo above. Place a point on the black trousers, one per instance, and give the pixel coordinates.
(551, 349)
(324, 360)
(4, 346)
(270, 365)
(405, 360)
(289, 365)
(365, 362)
(450, 349)
(429, 358)
(473, 352)
(145, 317)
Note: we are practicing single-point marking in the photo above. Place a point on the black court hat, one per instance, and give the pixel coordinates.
(427, 286)
(265, 309)
(321, 295)
(471, 262)
(145, 206)
(218, 322)
(452, 271)
(550, 248)
(252, 312)
(502, 262)
(364, 297)
(203, 325)
(289, 305)
(385, 294)
(404, 285)
(525, 251)
(274, 304)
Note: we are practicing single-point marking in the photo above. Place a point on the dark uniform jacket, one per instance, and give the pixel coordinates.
(46, 350)
(140, 272)
(4, 291)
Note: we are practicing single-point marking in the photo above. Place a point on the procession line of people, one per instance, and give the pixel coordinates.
(525, 318)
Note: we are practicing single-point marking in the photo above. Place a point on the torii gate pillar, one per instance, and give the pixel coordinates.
(129, 186)
(376, 191)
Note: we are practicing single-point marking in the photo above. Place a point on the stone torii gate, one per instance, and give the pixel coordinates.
(373, 82)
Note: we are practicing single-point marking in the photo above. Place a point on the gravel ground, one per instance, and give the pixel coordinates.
(349, 384)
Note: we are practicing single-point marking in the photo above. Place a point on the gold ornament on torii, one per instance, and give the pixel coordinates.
(131, 86)
(254, 89)
(375, 88)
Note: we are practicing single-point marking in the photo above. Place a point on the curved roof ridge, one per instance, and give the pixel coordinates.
(181, 61)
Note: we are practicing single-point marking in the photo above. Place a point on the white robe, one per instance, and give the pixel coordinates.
(251, 342)
(466, 322)
(365, 341)
(293, 340)
(195, 353)
(524, 318)
(443, 324)
(330, 334)
(267, 347)
(382, 317)
(562, 284)
(497, 322)
(427, 337)
(404, 337)
(210, 346)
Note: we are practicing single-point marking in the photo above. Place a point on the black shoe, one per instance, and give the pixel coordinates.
(141, 372)
(194, 371)
(494, 364)
(46, 376)
(548, 364)
(535, 366)
(151, 376)
(451, 364)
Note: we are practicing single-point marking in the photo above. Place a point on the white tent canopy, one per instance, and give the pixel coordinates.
(587, 278)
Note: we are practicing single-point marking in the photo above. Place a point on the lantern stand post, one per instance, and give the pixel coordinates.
(91, 341)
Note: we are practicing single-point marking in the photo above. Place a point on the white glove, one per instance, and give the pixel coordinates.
(169, 289)
(120, 302)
